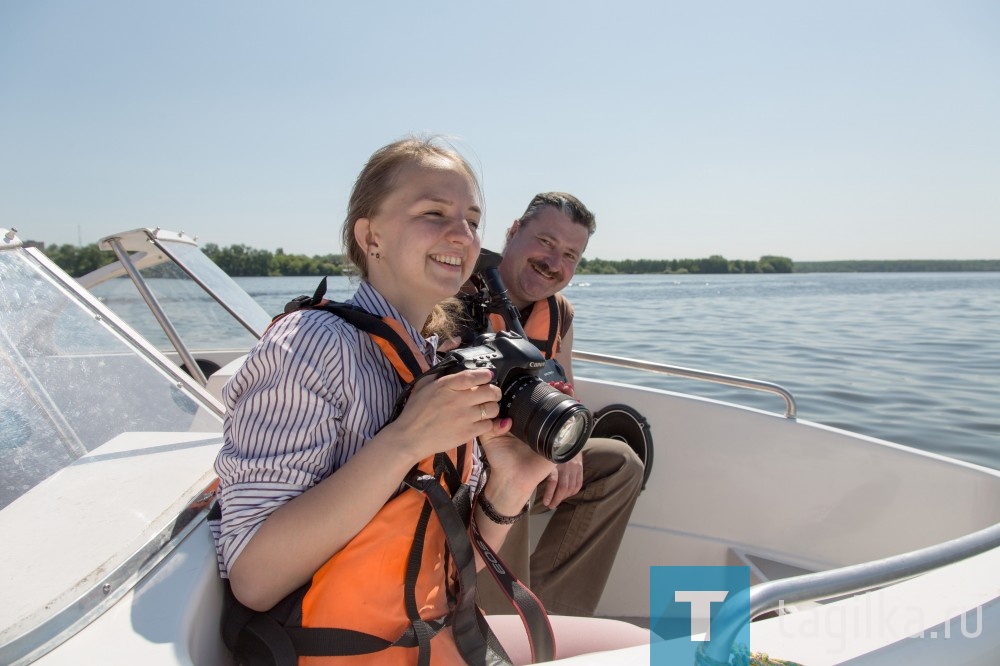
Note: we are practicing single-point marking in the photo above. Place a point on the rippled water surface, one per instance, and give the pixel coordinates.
(909, 357)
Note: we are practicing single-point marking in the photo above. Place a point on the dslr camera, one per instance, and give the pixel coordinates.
(552, 423)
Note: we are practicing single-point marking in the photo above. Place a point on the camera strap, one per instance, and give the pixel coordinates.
(529, 608)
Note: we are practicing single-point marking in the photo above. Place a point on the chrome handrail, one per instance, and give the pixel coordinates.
(207, 289)
(729, 380)
(769, 596)
(154, 305)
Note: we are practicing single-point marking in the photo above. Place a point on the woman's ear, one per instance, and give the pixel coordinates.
(363, 234)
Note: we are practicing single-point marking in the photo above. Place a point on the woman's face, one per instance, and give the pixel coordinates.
(425, 233)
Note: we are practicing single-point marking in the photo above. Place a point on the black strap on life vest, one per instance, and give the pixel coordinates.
(360, 319)
(276, 638)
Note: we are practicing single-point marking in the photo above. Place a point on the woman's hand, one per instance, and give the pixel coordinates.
(444, 412)
(513, 464)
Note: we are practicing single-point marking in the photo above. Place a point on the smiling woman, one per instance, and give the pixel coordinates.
(318, 439)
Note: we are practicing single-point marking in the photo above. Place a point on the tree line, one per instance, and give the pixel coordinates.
(245, 261)
(236, 260)
(898, 266)
(714, 264)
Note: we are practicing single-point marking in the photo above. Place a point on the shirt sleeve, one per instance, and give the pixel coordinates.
(280, 430)
(567, 313)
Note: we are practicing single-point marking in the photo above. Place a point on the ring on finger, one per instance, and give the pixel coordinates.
(482, 412)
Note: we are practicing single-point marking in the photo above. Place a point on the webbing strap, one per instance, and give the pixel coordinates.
(261, 639)
(468, 637)
(324, 641)
(387, 333)
(410, 587)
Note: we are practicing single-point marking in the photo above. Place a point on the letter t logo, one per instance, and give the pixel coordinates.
(701, 609)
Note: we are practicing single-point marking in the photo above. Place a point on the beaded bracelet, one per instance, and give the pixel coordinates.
(497, 517)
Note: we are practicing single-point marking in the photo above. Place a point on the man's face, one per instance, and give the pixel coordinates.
(541, 255)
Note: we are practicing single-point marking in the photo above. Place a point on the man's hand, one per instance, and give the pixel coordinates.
(567, 478)
(564, 481)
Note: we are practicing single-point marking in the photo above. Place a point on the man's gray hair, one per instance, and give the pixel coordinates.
(566, 203)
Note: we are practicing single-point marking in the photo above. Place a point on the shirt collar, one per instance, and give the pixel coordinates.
(370, 299)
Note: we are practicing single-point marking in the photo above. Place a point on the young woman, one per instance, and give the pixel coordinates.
(311, 468)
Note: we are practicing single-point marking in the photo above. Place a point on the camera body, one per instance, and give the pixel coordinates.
(507, 354)
(554, 424)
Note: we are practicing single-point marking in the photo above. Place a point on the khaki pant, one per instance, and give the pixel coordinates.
(571, 563)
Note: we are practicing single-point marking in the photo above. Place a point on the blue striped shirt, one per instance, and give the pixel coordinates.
(310, 394)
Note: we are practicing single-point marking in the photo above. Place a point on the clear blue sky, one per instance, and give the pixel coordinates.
(853, 129)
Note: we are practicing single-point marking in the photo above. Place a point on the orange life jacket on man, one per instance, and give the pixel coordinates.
(544, 326)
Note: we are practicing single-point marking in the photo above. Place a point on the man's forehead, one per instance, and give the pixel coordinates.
(555, 224)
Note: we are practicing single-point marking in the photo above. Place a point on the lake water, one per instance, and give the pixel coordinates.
(909, 357)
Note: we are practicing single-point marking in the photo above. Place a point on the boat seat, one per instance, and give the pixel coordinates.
(219, 378)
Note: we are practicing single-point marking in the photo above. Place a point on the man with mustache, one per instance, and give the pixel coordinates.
(591, 496)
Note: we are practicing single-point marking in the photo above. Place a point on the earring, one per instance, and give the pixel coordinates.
(378, 257)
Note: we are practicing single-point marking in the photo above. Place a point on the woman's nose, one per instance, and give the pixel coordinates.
(462, 230)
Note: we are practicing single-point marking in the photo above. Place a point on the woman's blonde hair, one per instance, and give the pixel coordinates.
(376, 182)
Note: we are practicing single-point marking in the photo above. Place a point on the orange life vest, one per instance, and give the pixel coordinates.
(395, 586)
(543, 327)
(402, 591)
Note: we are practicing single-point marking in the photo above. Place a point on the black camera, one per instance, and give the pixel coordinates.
(552, 423)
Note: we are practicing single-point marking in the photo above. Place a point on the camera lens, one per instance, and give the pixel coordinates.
(572, 431)
(552, 423)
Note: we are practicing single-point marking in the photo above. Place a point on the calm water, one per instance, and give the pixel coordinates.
(913, 358)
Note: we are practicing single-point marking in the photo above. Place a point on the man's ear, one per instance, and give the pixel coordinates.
(514, 228)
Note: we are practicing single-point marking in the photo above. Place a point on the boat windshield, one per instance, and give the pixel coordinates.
(103, 444)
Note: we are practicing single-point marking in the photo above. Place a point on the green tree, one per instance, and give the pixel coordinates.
(774, 264)
(78, 261)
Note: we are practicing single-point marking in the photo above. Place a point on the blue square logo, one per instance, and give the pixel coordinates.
(683, 604)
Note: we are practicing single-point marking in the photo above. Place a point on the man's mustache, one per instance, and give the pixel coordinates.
(544, 268)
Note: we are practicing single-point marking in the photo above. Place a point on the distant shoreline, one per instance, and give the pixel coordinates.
(643, 266)
(898, 266)
(244, 261)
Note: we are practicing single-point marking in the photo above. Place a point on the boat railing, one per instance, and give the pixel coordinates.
(702, 375)
(824, 585)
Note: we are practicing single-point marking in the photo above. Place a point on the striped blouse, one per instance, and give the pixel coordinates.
(309, 395)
